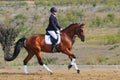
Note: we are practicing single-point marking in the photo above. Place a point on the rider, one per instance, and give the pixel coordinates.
(53, 27)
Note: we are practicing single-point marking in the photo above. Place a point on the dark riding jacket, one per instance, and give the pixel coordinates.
(53, 24)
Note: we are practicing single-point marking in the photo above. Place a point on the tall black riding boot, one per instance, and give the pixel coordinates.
(53, 47)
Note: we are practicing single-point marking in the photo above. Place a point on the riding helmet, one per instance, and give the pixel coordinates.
(53, 9)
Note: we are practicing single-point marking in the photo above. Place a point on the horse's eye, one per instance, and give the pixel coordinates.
(81, 30)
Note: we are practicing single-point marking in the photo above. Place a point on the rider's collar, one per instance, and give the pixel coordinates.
(54, 15)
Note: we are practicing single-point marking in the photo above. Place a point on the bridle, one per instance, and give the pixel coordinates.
(78, 32)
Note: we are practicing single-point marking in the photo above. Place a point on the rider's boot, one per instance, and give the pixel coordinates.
(53, 47)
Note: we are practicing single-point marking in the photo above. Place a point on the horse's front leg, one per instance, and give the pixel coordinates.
(73, 63)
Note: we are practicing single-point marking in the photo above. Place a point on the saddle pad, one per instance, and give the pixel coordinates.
(48, 41)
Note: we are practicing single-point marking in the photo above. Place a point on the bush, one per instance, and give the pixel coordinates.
(110, 18)
(50, 60)
(70, 16)
(98, 22)
(101, 59)
(107, 21)
(7, 37)
(112, 39)
(95, 60)
(20, 19)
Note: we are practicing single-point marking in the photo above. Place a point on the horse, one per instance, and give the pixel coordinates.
(35, 44)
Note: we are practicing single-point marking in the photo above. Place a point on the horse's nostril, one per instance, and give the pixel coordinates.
(82, 40)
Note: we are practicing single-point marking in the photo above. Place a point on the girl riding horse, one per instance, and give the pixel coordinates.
(36, 43)
(53, 26)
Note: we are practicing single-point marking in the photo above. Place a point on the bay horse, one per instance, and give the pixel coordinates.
(36, 43)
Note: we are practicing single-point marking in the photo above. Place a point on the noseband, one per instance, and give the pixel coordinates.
(78, 32)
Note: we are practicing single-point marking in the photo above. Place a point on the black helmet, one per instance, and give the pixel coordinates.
(53, 9)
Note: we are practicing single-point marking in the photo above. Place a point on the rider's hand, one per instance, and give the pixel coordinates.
(61, 29)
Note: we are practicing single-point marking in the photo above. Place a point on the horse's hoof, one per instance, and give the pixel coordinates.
(69, 66)
(51, 73)
(78, 71)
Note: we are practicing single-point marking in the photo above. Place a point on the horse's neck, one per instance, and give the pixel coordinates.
(70, 33)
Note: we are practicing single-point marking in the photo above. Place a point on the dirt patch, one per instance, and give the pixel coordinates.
(61, 74)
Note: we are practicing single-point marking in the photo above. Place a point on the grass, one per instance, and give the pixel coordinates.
(103, 36)
(50, 60)
(66, 2)
(112, 39)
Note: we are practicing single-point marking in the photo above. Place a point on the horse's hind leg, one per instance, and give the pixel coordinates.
(26, 61)
(39, 57)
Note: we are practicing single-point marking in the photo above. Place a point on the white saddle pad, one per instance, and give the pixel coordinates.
(48, 41)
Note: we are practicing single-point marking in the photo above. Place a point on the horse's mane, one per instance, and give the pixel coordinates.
(70, 26)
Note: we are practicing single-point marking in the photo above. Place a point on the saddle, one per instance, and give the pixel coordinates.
(49, 40)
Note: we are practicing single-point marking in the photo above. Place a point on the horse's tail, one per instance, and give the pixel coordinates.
(17, 48)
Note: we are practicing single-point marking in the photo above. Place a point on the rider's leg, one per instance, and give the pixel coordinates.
(54, 35)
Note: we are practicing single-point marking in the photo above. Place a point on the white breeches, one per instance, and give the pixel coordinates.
(53, 34)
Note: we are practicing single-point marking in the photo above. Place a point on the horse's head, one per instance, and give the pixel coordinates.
(81, 32)
(75, 29)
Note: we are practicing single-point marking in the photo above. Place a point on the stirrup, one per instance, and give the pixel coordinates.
(56, 48)
(53, 48)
